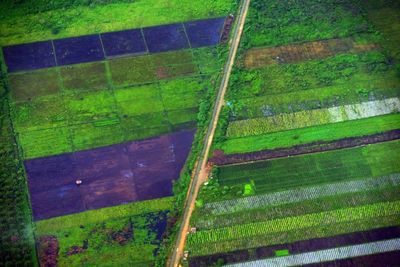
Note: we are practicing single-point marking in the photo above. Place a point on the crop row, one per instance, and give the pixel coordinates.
(301, 194)
(315, 117)
(292, 223)
(205, 220)
(323, 230)
(320, 133)
(332, 166)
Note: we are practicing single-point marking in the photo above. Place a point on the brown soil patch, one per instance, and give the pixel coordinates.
(123, 236)
(161, 72)
(78, 249)
(48, 249)
(226, 29)
(305, 149)
(259, 57)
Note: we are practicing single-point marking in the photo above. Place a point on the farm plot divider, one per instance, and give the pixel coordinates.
(96, 47)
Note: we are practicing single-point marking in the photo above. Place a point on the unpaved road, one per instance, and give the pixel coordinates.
(200, 174)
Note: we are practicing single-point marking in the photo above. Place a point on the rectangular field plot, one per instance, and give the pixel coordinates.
(110, 175)
(132, 70)
(43, 113)
(30, 85)
(87, 76)
(165, 38)
(49, 141)
(78, 49)
(123, 42)
(150, 68)
(90, 107)
(318, 168)
(29, 56)
(259, 57)
(204, 32)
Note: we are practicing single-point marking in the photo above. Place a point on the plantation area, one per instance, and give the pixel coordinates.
(305, 158)
(96, 104)
(104, 107)
(292, 85)
(274, 205)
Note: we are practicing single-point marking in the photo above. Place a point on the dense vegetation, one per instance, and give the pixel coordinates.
(309, 73)
(28, 21)
(345, 74)
(17, 246)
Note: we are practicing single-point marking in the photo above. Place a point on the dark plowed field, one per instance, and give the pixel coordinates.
(111, 175)
(222, 159)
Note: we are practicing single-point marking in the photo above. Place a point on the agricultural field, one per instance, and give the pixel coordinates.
(105, 103)
(306, 153)
(299, 204)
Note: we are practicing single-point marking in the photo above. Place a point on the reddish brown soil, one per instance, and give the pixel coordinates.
(48, 251)
(220, 159)
(227, 29)
(123, 236)
(259, 57)
(78, 249)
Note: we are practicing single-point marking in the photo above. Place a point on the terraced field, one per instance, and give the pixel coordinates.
(101, 112)
(306, 153)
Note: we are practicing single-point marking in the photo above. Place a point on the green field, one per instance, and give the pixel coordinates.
(32, 20)
(83, 106)
(327, 132)
(96, 104)
(124, 235)
(224, 225)
(307, 72)
(280, 105)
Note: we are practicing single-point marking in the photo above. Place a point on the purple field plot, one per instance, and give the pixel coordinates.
(110, 176)
(29, 56)
(165, 38)
(80, 49)
(204, 32)
(123, 43)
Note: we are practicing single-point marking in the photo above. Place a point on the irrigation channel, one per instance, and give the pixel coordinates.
(200, 172)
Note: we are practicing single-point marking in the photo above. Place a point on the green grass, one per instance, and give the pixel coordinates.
(85, 106)
(317, 168)
(24, 23)
(328, 132)
(56, 224)
(384, 15)
(203, 219)
(339, 70)
(97, 227)
(273, 22)
(247, 231)
(320, 231)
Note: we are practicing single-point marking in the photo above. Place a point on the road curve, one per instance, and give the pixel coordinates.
(200, 174)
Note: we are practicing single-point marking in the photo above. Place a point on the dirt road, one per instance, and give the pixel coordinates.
(200, 174)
